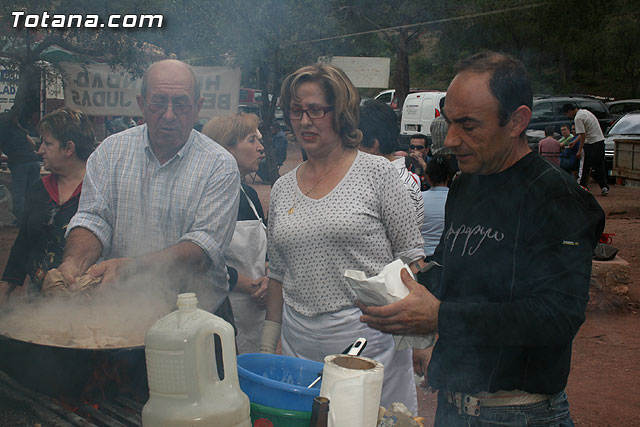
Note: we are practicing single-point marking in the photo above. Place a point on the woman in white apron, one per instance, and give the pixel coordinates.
(340, 209)
(246, 254)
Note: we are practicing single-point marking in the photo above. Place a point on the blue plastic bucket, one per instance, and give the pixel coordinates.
(279, 381)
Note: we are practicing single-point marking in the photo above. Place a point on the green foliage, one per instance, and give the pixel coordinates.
(569, 46)
(24, 49)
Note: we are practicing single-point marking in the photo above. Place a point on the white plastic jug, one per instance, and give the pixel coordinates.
(184, 385)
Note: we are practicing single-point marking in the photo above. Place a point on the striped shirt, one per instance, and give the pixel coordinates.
(135, 206)
(412, 183)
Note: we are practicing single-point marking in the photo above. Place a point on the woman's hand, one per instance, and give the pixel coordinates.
(421, 358)
(261, 286)
(257, 288)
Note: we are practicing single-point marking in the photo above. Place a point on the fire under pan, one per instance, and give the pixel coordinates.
(27, 407)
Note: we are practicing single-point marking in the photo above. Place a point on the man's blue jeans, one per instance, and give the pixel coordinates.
(553, 412)
(23, 176)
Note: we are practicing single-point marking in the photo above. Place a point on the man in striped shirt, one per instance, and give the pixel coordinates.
(160, 196)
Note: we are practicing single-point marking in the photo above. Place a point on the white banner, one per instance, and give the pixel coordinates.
(8, 88)
(362, 71)
(98, 90)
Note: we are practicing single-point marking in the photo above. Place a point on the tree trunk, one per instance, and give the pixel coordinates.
(562, 65)
(27, 100)
(267, 78)
(401, 74)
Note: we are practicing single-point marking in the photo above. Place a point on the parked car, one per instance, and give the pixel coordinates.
(250, 96)
(418, 112)
(547, 111)
(250, 108)
(389, 97)
(627, 127)
(622, 107)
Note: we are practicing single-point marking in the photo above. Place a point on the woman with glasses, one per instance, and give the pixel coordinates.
(67, 140)
(246, 254)
(340, 209)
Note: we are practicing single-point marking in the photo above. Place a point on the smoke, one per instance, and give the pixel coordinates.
(113, 315)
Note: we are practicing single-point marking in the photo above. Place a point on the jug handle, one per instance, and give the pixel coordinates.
(225, 330)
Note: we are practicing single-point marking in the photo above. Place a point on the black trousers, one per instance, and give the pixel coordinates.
(594, 159)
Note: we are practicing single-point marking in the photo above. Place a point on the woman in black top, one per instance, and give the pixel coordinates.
(67, 140)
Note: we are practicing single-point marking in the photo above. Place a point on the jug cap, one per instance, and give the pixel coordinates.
(187, 301)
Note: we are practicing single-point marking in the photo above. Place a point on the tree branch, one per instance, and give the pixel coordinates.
(65, 44)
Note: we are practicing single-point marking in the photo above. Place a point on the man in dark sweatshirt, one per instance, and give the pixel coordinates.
(513, 283)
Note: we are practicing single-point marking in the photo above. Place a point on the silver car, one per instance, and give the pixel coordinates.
(622, 107)
(627, 127)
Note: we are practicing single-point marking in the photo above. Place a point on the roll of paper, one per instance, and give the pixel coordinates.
(353, 385)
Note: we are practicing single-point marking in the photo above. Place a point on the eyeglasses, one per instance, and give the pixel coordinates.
(313, 113)
(416, 147)
(179, 109)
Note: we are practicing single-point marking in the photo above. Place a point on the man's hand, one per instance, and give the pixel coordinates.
(417, 313)
(578, 154)
(417, 157)
(261, 285)
(70, 271)
(421, 358)
(111, 270)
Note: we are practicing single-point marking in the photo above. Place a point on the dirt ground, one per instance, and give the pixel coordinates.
(605, 375)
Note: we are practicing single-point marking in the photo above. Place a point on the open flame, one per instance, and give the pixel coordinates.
(116, 375)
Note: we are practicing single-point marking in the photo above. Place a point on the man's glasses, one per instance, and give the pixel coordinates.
(179, 108)
(313, 113)
(416, 147)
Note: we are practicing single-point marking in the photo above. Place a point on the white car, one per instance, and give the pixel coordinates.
(418, 112)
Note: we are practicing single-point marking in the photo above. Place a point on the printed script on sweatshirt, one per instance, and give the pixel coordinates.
(471, 238)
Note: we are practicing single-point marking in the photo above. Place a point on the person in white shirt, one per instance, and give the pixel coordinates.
(591, 145)
(340, 210)
(160, 196)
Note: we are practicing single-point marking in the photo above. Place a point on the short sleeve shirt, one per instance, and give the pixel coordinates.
(588, 124)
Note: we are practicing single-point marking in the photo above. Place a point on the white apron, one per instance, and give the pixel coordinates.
(246, 253)
(314, 338)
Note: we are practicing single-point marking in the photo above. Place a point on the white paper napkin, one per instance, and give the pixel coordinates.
(383, 289)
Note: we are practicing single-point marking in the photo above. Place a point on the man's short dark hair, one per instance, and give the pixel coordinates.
(509, 81)
(549, 131)
(427, 142)
(378, 121)
(569, 106)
